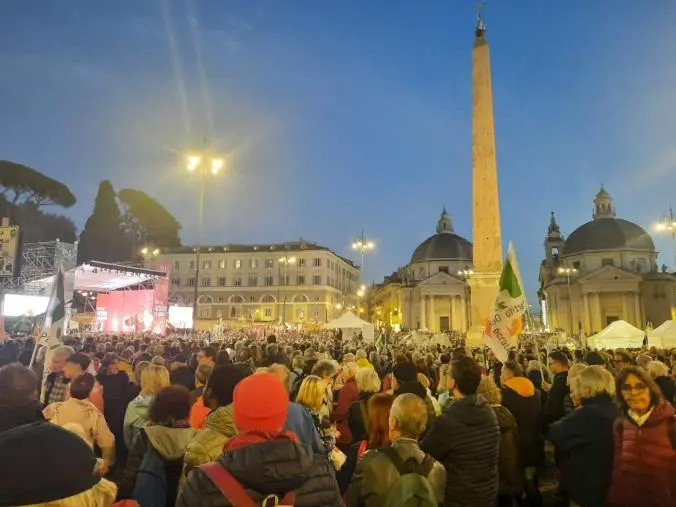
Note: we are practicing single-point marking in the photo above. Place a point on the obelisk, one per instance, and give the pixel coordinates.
(486, 236)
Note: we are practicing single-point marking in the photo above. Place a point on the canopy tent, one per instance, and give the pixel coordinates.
(663, 336)
(350, 324)
(619, 334)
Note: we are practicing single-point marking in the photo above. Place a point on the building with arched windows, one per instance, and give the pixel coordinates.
(605, 270)
(297, 282)
(431, 292)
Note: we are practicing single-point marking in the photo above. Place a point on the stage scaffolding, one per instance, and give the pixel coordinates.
(39, 262)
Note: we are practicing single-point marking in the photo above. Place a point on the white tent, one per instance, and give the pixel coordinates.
(351, 325)
(663, 336)
(619, 334)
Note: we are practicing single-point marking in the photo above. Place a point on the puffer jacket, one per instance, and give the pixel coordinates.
(645, 462)
(520, 397)
(136, 417)
(509, 464)
(207, 445)
(348, 395)
(269, 467)
(376, 475)
(466, 440)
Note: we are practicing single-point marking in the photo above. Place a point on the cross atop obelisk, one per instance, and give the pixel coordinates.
(486, 235)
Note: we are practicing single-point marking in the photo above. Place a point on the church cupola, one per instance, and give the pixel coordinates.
(445, 225)
(553, 231)
(603, 205)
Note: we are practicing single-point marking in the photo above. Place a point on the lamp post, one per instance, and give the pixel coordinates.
(568, 272)
(362, 245)
(668, 225)
(466, 274)
(285, 261)
(201, 165)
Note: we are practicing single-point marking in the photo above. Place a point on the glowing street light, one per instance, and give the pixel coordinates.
(362, 245)
(284, 261)
(466, 274)
(568, 273)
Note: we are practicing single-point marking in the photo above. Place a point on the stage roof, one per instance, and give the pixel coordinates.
(102, 277)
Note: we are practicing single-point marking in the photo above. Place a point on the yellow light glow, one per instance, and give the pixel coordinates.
(217, 165)
(370, 245)
(339, 306)
(355, 245)
(363, 287)
(193, 162)
(660, 226)
(144, 251)
(156, 251)
(360, 293)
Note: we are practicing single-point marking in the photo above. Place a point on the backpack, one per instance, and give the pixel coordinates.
(235, 493)
(412, 489)
(151, 485)
(296, 386)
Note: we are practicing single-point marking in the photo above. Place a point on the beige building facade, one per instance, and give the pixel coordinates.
(297, 282)
(431, 291)
(605, 270)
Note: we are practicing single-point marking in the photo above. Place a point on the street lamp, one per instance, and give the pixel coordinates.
(201, 164)
(568, 272)
(362, 245)
(466, 274)
(284, 261)
(668, 225)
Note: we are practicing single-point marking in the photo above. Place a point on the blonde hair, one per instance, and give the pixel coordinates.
(489, 390)
(592, 381)
(101, 494)
(657, 369)
(368, 380)
(574, 371)
(311, 393)
(350, 370)
(153, 378)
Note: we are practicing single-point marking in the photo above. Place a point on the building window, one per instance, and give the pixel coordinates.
(576, 265)
(269, 263)
(284, 280)
(607, 262)
(177, 265)
(315, 313)
(176, 282)
(253, 280)
(204, 313)
(238, 281)
(252, 299)
(222, 264)
(269, 280)
(206, 282)
(253, 263)
(317, 262)
(221, 299)
(443, 269)
(300, 280)
(221, 281)
(206, 265)
(192, 265)
(268, 312)
(238, 264)
(317, 280)
(191, 282)
(301, 263)
(316, 299)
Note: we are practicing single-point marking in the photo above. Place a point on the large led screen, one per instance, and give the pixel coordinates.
(18, 305)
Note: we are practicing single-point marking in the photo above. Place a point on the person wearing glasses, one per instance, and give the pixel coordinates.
(645, 441)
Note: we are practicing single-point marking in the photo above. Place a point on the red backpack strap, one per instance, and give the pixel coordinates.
(231, 489)
(362, 448)
(671, 428)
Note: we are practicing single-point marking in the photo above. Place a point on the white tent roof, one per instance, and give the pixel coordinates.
(663, 335)
(618, 334)
(348, 320)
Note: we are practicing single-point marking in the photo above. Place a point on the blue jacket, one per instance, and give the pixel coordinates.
(299, 421)
(584, 446)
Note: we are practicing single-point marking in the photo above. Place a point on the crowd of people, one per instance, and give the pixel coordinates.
(314, 420)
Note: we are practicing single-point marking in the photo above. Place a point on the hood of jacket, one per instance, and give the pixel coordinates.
(471, 410)
(11, 417)
(170, 443)
(414, 387)
(521, 386)
(505, 418)
(222, 420)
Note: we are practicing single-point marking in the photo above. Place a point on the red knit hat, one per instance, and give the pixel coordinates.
(260, 403)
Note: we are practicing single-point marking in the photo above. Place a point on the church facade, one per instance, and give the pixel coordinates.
(605, 270)
(431, 292)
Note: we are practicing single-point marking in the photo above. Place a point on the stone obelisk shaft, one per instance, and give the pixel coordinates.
(486, 234)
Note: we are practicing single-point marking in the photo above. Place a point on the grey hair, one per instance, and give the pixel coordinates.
(325, 367)
(574, 371)
(410, 413)
(657, 369)
(593, 381)
(361, 354)
(368, 380)
(64, 351)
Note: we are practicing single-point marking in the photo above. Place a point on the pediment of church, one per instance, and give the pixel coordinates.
(440, 278)
(609, 274)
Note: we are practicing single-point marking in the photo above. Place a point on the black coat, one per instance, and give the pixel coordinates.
(556, 401)
(466, 440)
(584, 447)
(272, 467)
(13, 416)
(509, 464)
(668, 388)
(355, 420)
(527, 410)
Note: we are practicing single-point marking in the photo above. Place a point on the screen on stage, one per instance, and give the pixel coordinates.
(131, 311)
(19, 305)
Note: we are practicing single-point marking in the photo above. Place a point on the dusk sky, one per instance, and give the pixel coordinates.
(350, 115)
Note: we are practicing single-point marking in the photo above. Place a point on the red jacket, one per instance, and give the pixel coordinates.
(348, 394)
(644, 470)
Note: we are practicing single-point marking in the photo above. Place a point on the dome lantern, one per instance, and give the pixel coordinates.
(603, 205)
(445, 224)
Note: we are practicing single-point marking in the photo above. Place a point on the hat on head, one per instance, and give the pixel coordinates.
(48, 463)
(260, 403)
(405, 372)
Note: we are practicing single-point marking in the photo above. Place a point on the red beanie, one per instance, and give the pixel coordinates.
(260, 403)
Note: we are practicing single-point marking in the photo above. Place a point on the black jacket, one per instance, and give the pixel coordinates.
(509, 464)
(355, 419)
(466, 440)
(668, 388)
(11, 417)
(584, 447)
(555, 409)
(526, 408)
(275, 466)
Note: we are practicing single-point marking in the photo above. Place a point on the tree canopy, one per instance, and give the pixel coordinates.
(103, 238)
(146, 221)
(20, 184)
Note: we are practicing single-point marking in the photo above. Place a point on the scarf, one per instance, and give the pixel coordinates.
(257, 437)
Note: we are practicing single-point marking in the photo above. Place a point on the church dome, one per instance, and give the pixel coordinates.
(606, 232)
(444, 245)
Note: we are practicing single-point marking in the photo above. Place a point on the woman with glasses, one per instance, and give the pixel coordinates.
(645, 438)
